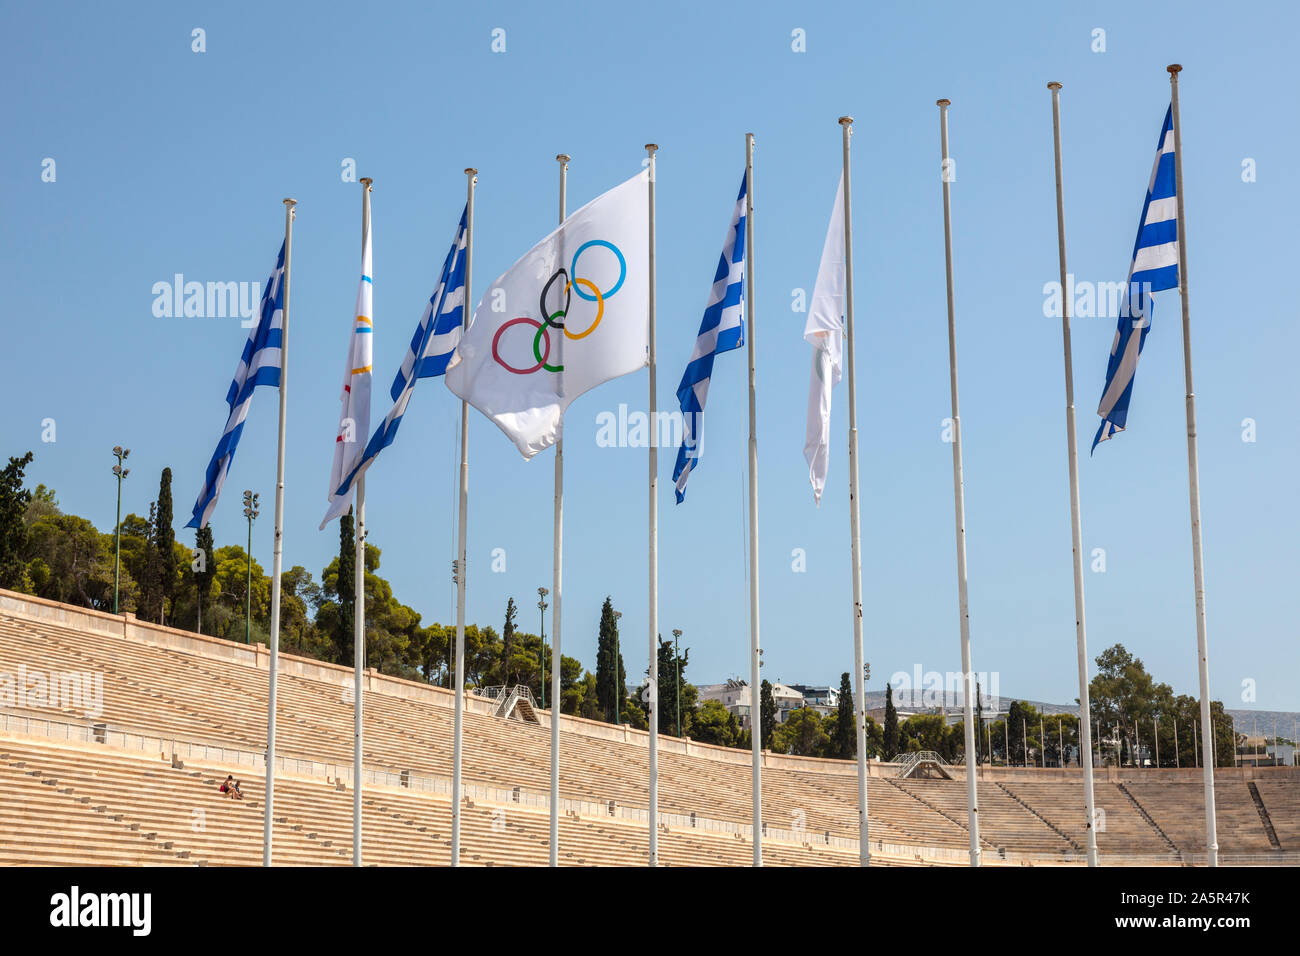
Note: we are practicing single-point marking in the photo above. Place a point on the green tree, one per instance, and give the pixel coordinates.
(343, 587)
(232, 591)
(891, 724)
(149, 603)
(766, 714)
(670, 667)
(1125, 698)
(875, 738)
(844, 737)
(714, 724)
(801, 734)
(14, 499)
(164, 541)
(205, 574)
(611, 677)
(42, 504)
(73, 562)
(508, 642)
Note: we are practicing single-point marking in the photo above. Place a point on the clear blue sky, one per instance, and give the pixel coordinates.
(172, 161)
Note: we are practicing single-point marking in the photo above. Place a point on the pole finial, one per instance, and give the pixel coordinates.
(1174, 68)
(562, 157)
(846, 120)
(1053, 85)
(366, 181)
(652, 148)
(943, 102)
(471, 171)
(291, 203)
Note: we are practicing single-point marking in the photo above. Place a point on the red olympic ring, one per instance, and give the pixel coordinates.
(496, 339)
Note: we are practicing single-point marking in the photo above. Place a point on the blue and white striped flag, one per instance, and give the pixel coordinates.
(258, 365)
(1154, 269)
(440, 328)
(435, 339)
(722, 329)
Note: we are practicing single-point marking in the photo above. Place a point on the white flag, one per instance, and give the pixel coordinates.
(572, 313)
(354, 416)
(824, 330)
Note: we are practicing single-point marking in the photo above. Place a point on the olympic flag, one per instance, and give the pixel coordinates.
(571, 314)
(354, 413)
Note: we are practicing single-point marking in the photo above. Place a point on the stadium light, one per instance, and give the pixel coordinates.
(250, 512)
(542, 606)
(120, 454)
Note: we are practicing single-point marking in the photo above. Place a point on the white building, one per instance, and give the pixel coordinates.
(734, 695)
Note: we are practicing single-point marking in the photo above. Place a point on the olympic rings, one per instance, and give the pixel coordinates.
(496, 339)
(600, 308)
(537, 352)
(554, 319)
(622, 266)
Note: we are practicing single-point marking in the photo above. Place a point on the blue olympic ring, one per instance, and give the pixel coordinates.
(622, 268)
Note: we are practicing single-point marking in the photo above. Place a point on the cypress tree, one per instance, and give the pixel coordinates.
(149, 604)
(610, 676)
(766, 714)
(346, 588)
(14, 499)
(891, 724)
(845, 743)
(203, 578)
(508, 641)
(164, 542)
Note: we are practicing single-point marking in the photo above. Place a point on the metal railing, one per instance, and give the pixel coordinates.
(906, 763)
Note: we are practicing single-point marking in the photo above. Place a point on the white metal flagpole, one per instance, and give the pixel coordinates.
(754, 654)
(462, 570)
(855, 523)
(1194, 485)
(1076, 527)
(557, 561)
(653, 685)
(277, 553)
(959, 500)
(359, 614)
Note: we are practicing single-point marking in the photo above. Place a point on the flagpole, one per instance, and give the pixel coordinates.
(1194, 485)
(754, 654)
(1076, 528)
(855, 523)
(462, 571)
(557, 558)
(959, 498)
(359, 592)
(268, 813)
(653, 703)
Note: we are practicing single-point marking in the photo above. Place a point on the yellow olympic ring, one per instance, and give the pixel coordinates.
(600, 307)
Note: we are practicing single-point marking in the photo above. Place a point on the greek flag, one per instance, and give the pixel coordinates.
(439, 331)
(259, 365)
(1154, 269)
(436, 337)
(722, 329)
